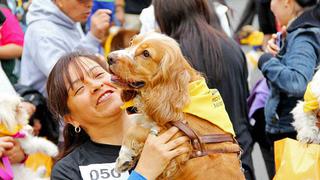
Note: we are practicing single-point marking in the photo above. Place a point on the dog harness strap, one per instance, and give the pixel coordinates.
(216, 138)
(196, 154)
(199, 141)
(195, 140)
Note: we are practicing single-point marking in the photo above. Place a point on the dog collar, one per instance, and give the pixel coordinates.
(5, 132)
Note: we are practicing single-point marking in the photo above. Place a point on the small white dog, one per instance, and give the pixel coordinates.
(14, 119)
(305, 113)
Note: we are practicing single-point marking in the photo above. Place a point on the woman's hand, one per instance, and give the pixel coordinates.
(272, 47)
(6, 143)
(158, 152)
(15, 153)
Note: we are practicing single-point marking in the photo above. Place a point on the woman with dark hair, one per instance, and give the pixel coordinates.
(290, 63)
(291, 66)
(219, 58)
(80, 92)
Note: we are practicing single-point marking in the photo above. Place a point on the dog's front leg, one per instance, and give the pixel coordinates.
(133, 143)
(33, 144)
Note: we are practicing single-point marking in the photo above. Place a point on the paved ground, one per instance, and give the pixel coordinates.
(260, 169)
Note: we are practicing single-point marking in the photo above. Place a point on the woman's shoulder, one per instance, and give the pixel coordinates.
(67, 167)
(312, 33)
(304, 37)
(87, 159)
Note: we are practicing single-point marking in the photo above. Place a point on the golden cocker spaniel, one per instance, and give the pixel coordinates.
(154, 70)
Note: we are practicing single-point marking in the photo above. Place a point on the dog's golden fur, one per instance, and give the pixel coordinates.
(156, 61)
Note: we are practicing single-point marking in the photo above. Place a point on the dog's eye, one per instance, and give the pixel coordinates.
(146, 53)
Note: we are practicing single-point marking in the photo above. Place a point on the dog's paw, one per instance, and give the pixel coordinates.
(123, 165)
(51, 150)
(125, 161)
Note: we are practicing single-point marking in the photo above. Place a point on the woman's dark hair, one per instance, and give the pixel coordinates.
(307, 3)
(314, 7)
(192, 23)
(57, 91)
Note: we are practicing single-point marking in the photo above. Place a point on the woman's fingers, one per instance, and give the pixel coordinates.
(166, 136)
(176, 142)
(6, 143)
(6, 139)
(176, 152)
(272, 51)
(272, 47)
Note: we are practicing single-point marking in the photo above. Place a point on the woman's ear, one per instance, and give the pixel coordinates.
(69, 119)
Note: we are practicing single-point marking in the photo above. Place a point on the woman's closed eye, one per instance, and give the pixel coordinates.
(78, 90)
(99, 75)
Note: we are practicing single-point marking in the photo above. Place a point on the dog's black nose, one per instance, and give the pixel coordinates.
(112, 57)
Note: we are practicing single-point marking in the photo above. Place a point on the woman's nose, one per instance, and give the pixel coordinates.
(96, 86)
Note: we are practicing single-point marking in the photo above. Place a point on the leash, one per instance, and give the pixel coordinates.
(6, 172)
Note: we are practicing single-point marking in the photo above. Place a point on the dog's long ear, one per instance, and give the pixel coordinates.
(127, 95)
(175, 75)
(170, 88)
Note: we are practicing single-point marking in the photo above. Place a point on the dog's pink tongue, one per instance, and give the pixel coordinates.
(114, 78)
(118, 81)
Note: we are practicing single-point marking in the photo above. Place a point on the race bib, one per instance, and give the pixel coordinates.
(102, 171)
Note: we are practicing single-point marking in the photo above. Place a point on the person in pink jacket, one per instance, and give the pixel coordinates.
(11, 42)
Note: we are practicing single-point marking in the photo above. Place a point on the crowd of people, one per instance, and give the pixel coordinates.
(52, 53)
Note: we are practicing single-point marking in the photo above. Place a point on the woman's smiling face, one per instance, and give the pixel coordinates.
(91, 96)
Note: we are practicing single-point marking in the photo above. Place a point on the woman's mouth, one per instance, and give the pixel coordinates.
(104, 97)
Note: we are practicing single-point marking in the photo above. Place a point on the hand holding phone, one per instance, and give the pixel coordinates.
(279, 39)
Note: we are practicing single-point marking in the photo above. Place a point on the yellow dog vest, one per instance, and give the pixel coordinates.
(5, 132)
(310, 100)
(204, 103)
